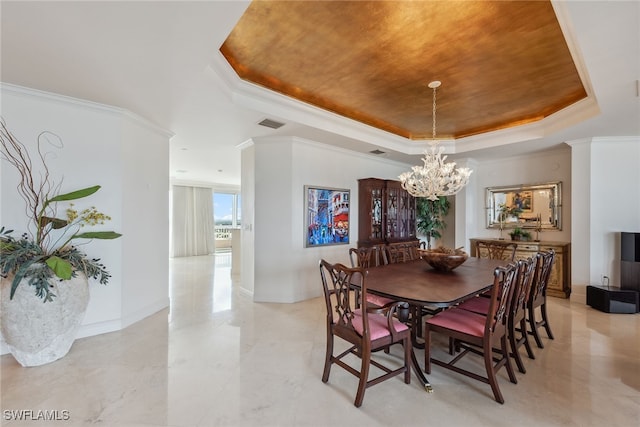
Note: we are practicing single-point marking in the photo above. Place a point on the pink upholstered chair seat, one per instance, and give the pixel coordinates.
(378, 301)
(479, 305)
(378, 327)
(460, 320)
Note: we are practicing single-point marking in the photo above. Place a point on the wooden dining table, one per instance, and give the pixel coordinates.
(418, 284)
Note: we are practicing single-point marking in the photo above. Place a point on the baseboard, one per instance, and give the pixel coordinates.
(145, 312)
(246, 292)
(98, 328)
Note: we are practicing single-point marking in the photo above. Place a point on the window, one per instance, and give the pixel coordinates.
(238, 210)
(226, 213)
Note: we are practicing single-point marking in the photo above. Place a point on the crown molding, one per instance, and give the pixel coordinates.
(26, 92)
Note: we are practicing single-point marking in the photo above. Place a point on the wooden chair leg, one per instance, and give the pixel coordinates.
(513, 342)
(364, 375)
(533, 324)
(453, 346)
(545, 320)
(327, 359)
(507, 360)
(525, 339)
(491, 374)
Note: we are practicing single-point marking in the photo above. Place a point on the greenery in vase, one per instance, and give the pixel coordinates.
(45, 250)
(429, 217)
(519, 233)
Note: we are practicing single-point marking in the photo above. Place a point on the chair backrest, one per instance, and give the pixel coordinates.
(394, 253)
(496, 250)
(504, 279)
(365, 257)
(402, 252)
(522, 289)
(338, 283)
(544, 264)
(414, 249)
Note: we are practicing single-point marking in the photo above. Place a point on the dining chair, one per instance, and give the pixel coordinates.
(413, 249)
(368, 330)
(516, 320)
(478, 334)
(496, 250)
(366, 257)
(397, 252)
(518, 314)
(538, 296)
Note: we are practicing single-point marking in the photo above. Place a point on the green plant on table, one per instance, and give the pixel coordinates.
(519, 233)
(46, 250)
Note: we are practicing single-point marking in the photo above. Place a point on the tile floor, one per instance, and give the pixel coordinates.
(218, 359)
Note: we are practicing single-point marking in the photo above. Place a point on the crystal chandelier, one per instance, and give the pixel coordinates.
(435, 178)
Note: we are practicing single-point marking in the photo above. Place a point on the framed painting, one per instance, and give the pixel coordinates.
(524, 200)
(326, 216)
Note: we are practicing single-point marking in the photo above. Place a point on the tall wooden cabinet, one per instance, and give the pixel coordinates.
(386, 212)
(560, 280)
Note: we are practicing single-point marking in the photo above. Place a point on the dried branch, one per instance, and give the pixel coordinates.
(32, 192)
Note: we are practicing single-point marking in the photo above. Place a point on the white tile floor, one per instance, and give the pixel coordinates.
(218, 359)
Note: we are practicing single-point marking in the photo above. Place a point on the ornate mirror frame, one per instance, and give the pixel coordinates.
(525, 206)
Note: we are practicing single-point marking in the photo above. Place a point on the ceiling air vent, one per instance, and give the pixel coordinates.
(376, 152)
(271, 124)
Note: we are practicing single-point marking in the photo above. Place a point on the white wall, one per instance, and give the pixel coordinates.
(144, 151)
(607, 183)
(286, 271)
(580, 223)
(248, 217)
(128, 157)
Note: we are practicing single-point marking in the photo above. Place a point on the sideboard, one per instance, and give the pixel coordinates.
(560, 280)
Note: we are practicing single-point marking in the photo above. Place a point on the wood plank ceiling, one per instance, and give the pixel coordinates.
(501, 63)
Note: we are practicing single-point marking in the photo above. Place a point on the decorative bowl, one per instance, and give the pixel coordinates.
(442, 259)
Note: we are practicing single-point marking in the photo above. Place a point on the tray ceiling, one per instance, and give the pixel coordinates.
(501, 64)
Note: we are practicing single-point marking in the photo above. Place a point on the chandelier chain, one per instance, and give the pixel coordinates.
(433, 129)
(435, 178)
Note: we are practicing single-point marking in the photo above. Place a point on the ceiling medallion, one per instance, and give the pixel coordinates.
(435, 178)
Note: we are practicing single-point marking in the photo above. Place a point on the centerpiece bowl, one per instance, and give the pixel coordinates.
(444, 259)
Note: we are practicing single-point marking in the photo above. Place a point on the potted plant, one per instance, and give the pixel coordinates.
(520, 234)
(429, 217)
(43, 269)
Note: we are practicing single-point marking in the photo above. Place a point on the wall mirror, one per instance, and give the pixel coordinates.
(525, 206)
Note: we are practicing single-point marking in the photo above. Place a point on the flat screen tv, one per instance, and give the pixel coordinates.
(630, 261)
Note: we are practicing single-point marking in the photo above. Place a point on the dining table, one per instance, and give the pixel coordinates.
(423, 287)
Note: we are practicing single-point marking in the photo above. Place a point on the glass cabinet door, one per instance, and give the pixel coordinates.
(376, 214)
(387, 212)
(406, 215)
(392, 199)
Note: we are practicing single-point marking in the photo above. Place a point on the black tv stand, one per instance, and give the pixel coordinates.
(613, 300)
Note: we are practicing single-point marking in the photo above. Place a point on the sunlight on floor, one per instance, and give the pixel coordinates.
(222, 283)
(200, 283)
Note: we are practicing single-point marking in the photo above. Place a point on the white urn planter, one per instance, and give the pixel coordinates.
(38, 332)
